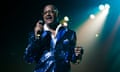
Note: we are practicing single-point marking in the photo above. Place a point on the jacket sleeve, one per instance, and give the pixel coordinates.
(34, 48)
(72, 46)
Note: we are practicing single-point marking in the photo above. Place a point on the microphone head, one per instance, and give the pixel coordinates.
(41, 22)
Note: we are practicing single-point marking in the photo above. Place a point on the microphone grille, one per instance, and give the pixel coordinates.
(41, 22)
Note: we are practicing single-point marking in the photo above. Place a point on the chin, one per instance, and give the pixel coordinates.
(49, 22)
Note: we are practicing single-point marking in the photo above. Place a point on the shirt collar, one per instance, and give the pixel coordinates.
(47, 29)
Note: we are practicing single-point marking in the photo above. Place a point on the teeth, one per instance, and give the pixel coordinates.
(48, 17)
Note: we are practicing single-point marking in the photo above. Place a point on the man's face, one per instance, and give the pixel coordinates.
(49, 14)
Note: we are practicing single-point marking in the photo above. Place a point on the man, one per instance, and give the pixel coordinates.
(51, 46)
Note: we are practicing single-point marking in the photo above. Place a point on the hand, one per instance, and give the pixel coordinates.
(79, 53)
(38, 28)
(78, 50)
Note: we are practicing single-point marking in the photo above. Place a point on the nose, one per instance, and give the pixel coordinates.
(48, 13)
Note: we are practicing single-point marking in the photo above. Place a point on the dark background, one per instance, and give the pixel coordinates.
(19, 16)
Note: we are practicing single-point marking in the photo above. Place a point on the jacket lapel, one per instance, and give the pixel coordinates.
(61, 33)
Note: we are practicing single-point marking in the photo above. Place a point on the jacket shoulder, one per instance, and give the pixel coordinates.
(71, 31)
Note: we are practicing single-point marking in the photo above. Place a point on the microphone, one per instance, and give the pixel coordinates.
(40, 31)
(79, 57)
(41, 22)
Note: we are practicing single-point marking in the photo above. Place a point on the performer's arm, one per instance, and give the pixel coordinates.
(31, 50)
(72, 46)
(36, 47)
(76, 52)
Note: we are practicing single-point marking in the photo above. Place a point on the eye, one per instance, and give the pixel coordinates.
(50, 11)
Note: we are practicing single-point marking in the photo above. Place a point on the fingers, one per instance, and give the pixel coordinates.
(38, 28)
(78, 50)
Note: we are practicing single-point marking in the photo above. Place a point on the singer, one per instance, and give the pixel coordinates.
(51, 46)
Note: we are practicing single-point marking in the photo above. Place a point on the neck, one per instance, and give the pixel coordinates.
(53, 26)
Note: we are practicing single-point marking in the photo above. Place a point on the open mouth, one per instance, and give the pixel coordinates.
(48, 17)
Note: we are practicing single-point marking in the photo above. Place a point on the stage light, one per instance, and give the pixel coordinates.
(90, 30)
(66, 18)
(92, 16)
(101, 7)
(65, 24)
(97, 35)
(107, 6)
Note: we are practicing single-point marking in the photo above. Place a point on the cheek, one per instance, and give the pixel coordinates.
(53, 17)
(44, 17)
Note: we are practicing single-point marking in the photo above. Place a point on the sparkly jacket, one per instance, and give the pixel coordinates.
(49, 58)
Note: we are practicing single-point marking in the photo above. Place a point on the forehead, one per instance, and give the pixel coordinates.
(49, 7)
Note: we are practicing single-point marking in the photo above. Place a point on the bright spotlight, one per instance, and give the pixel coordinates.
(101, 7)
(107, 6)
(97, 35)
(66, 18)
(92, 16)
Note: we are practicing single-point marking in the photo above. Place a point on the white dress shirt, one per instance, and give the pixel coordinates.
(54, 39)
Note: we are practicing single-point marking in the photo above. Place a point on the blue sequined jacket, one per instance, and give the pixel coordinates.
(49, 58)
